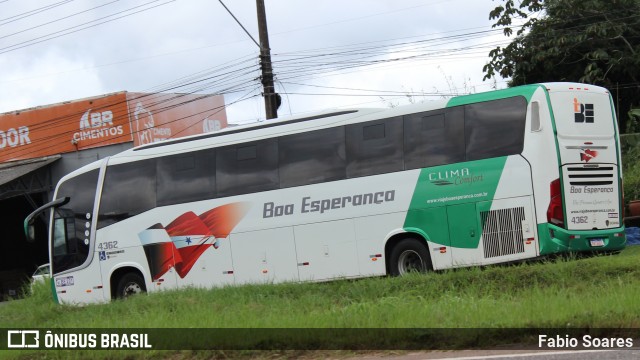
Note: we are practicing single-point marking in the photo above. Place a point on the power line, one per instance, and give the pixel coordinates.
(239, 23)
(231, 80)
(56, 20)
(360, 17)
(394, 93)
(322, 50)
(236, 78)
(359, 61)
(368, 90)
(190, 83)
(33, 12)
(49, 36)
(50, 140)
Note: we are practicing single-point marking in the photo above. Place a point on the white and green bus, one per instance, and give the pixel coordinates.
(479, 179)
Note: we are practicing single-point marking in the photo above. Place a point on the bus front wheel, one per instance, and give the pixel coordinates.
(409, 255)
(130, 284)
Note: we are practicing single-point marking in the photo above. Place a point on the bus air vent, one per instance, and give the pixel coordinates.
(590, 176)
(502, 232)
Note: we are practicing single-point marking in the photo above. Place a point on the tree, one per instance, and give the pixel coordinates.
(590, 41)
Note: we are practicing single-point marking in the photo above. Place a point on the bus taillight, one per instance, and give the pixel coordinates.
(555, 213)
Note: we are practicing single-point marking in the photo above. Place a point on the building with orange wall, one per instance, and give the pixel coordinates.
(40, 145)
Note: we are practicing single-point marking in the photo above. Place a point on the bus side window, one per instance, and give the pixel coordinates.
(374, 147)
(247, 168)
(60, 237)
(186, 177)
(129, 189)
(536, 124)
(495, 128)
(312, 157)
(433, 138)
(72, 246)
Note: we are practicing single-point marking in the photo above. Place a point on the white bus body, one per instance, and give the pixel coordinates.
(475, 180)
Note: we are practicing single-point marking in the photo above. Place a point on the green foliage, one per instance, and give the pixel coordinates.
(633, 124)
(630, 147)
(588, 41)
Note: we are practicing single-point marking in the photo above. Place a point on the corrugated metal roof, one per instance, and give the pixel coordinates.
(12, 170)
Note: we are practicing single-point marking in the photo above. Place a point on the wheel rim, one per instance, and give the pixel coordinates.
(131, 289)
(410, 261)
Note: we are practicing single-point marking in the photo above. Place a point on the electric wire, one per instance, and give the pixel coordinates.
(32, 12)
(191, 88)
(62, 32)
(56, 20)
(339, 63)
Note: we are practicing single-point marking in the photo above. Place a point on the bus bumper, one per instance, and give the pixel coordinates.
(554, 239)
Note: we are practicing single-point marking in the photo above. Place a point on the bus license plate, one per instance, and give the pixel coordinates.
(596, 242)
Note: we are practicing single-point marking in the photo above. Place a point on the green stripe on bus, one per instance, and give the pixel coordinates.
(564, 240)
(525, 90)
(616, 137)
(53, 290)
(449, 194)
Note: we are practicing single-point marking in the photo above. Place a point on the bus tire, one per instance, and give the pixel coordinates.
(409, 255)
(130, 284)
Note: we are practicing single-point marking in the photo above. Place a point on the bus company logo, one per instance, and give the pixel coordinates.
(180, 244)
(586, 155)
(454, 177)
(583, 113)
(22, 339)
(445, 177)
(97, 125)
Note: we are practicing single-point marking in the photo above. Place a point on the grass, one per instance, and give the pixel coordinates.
(597, 292)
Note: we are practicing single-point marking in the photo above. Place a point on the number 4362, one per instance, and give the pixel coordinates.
(579, 219)
(108, 245)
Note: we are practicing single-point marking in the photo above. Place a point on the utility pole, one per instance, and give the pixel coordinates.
(270, 96)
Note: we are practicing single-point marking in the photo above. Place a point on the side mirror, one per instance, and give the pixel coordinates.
(29, 228)
(30, 231)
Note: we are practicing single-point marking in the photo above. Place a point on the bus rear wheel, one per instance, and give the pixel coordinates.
(409, 255)
(130, 284)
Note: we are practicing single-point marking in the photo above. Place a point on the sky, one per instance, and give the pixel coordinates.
(326, 54)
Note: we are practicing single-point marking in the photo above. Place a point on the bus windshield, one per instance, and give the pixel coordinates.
(72, 222)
